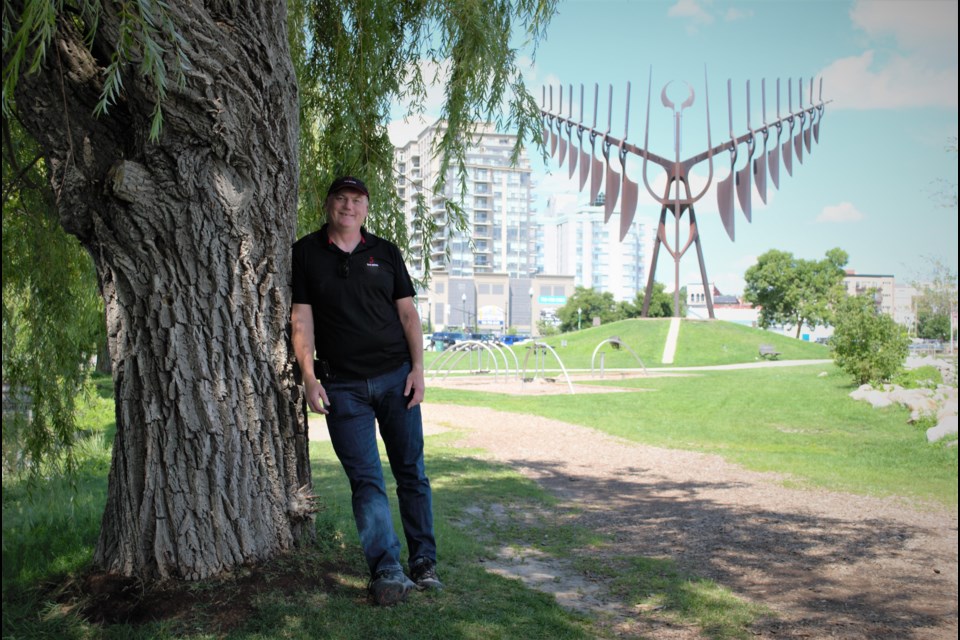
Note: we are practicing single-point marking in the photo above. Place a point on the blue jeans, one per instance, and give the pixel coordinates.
(354, 404)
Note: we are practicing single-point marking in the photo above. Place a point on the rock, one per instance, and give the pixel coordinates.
(878, 399)
(946, 427)
(920, 402)
(861, 392)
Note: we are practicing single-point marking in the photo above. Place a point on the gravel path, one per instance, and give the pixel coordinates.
(831, 565)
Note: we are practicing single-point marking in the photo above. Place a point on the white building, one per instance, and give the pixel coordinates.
(498, 206)
(882, 285)
(575, 240)
(904, 306)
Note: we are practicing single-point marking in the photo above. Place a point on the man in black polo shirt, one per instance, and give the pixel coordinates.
(359, 343)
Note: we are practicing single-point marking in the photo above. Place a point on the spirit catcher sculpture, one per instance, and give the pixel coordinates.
(797, 129)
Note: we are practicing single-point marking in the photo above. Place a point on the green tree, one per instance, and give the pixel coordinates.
(52, 316)
(592, 304)
(933, 326)
(936, 301)
(169, 133)
(795, 292)
(661, 303)
(867, 344)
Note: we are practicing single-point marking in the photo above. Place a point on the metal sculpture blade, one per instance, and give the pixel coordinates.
(773, 162)
(546, 118)
(725, 187)
(785, 148)
(798, 143)
(819, 109)
(725, 202)
(802, 115)
(760, 163)
(553, 136)
(572, 162)
(584, 156)
(613, 186)
(561, 141)
(630, 189)
(596, 165)
(631, 192)
(744, 184)
(596, 175)
(613, 178)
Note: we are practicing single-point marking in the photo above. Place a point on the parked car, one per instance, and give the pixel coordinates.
(444, 339)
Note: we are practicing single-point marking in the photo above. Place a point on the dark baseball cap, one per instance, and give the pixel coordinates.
(347, 182)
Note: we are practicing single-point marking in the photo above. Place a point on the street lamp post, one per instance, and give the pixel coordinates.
(579, 313)
(463, 310)
(532, 325)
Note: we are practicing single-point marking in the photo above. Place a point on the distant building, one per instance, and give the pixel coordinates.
(498, 206)
(725, 307)
(857, 284)
(492, 303)
(576, 241)
(904, 305)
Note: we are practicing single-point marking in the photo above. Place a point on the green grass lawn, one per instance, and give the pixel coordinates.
(700, 343)
(793, 420)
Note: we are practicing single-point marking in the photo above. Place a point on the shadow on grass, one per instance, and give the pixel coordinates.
(653, 544)
(315, 592)
(824, 573)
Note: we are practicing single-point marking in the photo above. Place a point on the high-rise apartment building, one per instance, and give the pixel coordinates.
(575, 240)
(499, 236)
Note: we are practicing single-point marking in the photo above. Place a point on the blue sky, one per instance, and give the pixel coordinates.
(870, 186)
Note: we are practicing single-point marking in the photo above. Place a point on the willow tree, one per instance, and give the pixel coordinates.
(52, 318)
(169, 134)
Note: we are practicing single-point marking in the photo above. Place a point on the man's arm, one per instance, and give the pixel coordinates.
(301, 321)
(413, 332)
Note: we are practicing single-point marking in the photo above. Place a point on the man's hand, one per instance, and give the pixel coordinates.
(414, 389)
(316, 395)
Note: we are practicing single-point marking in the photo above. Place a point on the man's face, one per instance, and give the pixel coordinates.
(347, 209)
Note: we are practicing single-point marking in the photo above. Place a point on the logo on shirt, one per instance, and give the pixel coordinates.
(371, 262)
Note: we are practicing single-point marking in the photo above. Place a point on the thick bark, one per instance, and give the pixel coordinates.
(191, 239)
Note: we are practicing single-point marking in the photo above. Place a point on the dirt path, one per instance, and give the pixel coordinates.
(830, 565)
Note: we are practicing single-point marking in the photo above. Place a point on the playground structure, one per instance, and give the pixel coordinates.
(616, 343)
(805, 119)
(492, 359)
(486, 352)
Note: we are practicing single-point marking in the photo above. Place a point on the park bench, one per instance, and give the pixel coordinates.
(768, 352)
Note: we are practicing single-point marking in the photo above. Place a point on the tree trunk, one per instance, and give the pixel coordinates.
(191, 239)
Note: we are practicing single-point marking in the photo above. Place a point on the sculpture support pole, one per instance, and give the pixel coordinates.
(653, 262)
(708, 295)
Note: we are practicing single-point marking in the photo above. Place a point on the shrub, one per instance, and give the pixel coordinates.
(926, 376)
(867, 344)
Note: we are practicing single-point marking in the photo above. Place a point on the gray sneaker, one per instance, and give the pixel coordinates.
(390, 586)
(424, 573)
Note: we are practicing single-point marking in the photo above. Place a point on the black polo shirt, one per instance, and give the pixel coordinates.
(356, 325)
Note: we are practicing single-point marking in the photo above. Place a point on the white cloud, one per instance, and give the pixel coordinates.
(926, 27)
(692, 10)
(859, 83)
(911, 60)
(843, 212)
